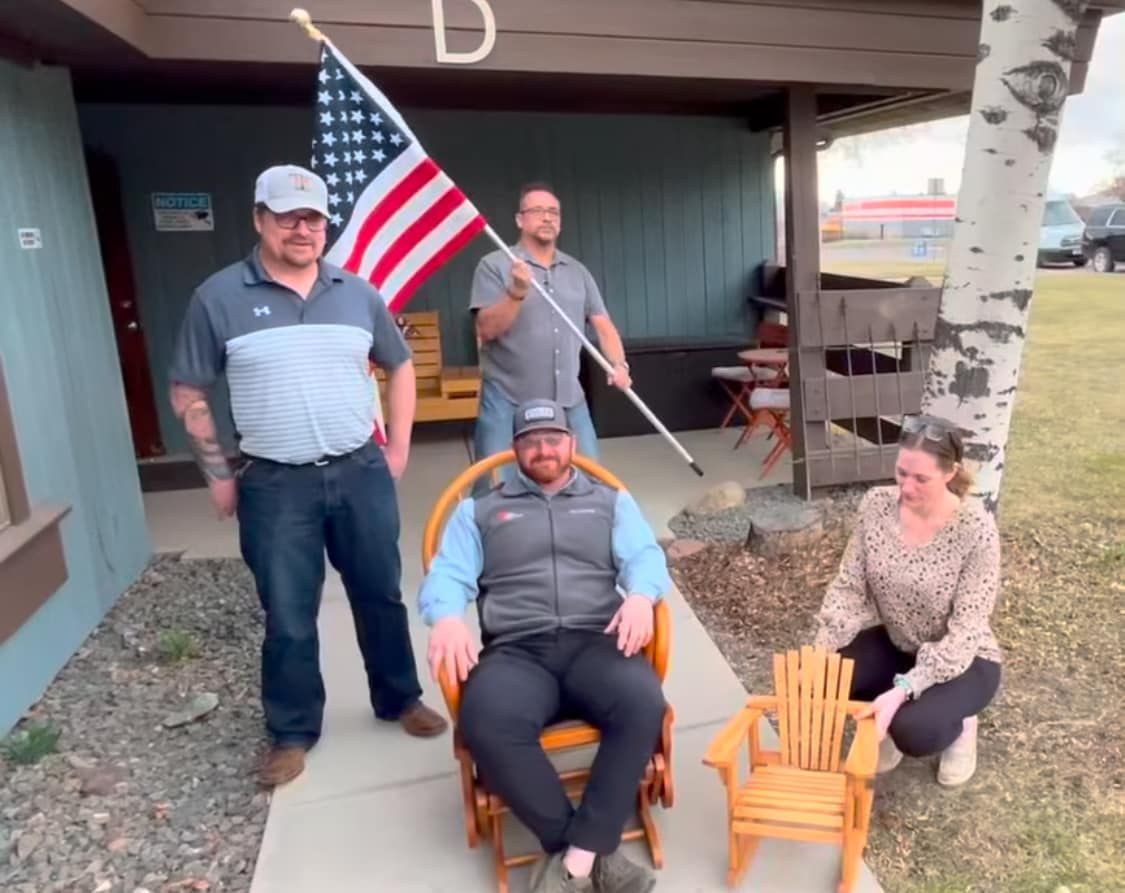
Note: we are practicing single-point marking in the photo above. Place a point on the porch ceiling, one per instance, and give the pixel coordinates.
(638, 55)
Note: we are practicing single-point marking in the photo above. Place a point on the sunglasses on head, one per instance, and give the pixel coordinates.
(931, 429)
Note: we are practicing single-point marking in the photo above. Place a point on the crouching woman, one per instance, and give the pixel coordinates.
(912, 602)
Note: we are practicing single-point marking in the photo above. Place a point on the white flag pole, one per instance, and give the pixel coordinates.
(597, 355)
(304, 21)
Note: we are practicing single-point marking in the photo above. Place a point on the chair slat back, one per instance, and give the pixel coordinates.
(812, 698)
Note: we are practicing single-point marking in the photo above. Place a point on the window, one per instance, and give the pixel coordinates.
(1118, 218)
(5, 512)
(32, 559)
(1059, 214)
(1099, 217)
(14, 507)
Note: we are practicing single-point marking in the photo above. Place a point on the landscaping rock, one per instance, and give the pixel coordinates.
(26, 845)
(726, 495)
(733, 525)
(135, 804)
(678, 550)
(199, 707)
(784, 529)
(101, 782)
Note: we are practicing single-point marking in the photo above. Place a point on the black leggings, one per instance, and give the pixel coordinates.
(932, 722)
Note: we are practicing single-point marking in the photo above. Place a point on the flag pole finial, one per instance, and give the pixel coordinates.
(304, 22)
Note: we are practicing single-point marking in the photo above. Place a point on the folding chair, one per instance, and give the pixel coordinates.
(484, 812)
(769, 408)
(739, 382)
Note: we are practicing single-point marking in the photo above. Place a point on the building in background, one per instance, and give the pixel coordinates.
(131, 132)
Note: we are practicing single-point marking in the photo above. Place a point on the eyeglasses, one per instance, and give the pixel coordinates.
(532, 439)
(292, 219)
(542, 212)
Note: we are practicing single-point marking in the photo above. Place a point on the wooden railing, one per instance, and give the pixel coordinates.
(872, 345)
(861, 347)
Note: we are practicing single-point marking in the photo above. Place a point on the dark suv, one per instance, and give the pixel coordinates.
(1103, 241)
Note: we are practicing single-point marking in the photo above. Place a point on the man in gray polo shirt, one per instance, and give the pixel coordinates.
(294, 336)
(526, 350)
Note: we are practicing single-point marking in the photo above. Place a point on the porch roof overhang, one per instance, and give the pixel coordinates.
(875, 63)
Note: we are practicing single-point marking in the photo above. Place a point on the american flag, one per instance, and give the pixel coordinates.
(395, 216)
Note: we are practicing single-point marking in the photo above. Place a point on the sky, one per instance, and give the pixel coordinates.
(901, 160)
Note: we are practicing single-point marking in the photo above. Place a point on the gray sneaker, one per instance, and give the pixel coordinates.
(616, 874)
(551, 876)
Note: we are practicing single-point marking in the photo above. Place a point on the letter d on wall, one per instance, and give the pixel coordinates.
(481, 52)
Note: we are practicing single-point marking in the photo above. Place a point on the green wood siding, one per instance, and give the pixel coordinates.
(60, 360)
(673, 215)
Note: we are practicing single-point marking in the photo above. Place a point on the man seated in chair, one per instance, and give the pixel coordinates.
(544, 554)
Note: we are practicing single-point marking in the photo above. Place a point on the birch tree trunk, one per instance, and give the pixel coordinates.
(1022, 78)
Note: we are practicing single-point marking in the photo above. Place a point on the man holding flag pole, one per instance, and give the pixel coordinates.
(526, 353)
(395, 216)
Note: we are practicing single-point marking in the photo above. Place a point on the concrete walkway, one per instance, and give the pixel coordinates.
(377, 811)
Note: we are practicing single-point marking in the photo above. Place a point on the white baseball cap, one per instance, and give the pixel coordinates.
(287, 187)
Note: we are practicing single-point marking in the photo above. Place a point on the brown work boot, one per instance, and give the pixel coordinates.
(617, 874)
(551, 876)
(280, 765)
(422, 722)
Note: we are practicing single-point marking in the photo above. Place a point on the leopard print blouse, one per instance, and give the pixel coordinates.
(935, 600)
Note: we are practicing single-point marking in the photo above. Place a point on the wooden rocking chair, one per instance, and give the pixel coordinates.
(800, 792)
(484, 811)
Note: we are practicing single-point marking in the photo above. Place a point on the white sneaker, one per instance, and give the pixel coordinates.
(959, 760)
(889, 756)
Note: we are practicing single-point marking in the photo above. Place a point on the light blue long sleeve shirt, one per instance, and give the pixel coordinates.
(452, 581)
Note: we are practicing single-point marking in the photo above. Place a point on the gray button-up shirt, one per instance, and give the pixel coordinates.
(538, 356)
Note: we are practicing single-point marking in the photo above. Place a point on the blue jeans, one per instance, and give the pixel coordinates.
(493, 431)
(288, 516)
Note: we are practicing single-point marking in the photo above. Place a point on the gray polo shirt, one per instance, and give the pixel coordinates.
(297, 370)
(538, 356)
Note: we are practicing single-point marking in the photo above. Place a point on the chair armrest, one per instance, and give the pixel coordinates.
(863, 757)
(451, 692)
(724, 746)
(660, 645)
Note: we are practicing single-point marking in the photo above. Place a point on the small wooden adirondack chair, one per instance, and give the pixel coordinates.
(800, 792)
(484, 811)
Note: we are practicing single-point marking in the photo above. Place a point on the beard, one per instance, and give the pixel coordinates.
(300, 255)
(546, 471)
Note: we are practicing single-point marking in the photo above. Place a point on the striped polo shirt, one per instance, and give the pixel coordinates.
(297, 369)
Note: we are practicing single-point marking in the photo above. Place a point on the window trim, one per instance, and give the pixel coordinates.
(11, 470)
(32, 557)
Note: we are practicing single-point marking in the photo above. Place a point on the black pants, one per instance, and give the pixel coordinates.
(287, 517)
(931, 723)
(520, 687)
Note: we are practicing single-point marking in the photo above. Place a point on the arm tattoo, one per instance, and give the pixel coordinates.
(204, 441)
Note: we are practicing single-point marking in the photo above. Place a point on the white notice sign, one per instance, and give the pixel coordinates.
(182, 211)
(30, 238)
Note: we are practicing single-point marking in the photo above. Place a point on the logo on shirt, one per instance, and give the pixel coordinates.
(262, 311)
(504, 516)
(583, 511)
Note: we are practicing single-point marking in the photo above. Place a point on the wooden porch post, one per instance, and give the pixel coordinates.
(802, 262)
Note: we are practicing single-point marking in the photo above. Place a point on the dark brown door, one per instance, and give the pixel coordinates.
(109, 213)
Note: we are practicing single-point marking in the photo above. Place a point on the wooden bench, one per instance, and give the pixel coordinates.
(445, 393)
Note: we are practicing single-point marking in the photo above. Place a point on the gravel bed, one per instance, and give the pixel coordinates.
(127, 804)
(733, 525)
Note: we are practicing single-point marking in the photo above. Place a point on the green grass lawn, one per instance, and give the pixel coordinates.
(1047, 807)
